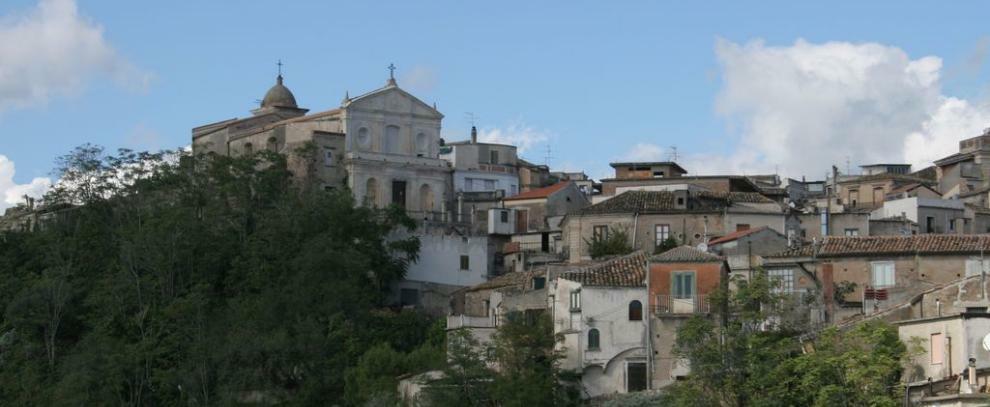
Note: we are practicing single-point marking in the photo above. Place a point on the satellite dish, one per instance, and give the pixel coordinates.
(986, 342)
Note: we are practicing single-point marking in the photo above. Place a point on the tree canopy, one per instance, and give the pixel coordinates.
(168, 279)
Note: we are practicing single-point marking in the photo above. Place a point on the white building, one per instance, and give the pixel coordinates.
(600, 310)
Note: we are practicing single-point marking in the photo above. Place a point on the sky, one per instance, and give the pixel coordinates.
(775, 87)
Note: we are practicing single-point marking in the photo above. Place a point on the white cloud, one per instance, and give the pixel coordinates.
(12, 193)
(807, 106)
(419, 79)
(53, 51)
(642, 152)
(519, 134)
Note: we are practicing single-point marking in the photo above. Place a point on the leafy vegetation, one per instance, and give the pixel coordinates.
(168, 279)
(520, 368)
(614, 243)
(665, 245)
(749, 355)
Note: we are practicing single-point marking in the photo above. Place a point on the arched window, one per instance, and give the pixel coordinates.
(248, 149)
(371, 193)
(272, 144)
(593, 339)
(425, 199)
(393, 144)
(635, 311)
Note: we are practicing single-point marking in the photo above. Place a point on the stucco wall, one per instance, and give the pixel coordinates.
(439, 260)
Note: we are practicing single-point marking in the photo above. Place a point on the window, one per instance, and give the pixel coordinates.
(683, 284)
(853, 197)
(575, 300)
(883, 274)
(930, 224)
(371, 193)
(877, 196)
(409, 296)
(465, 263)
(741, 227)
(635, 376)
(248, 149)
(852, 232)
(661, 233)
(593, 339)
(635, 311)
(539, 283)
(783, 280)
(489, 185)
(392, 142)
(272, 144)
(504, 216)
(399, 193)
(600, 232)
(327, 158)
(487, 305)
(468, 182)
(494, 157)
(937, 348)
(657, 174)
(952, 224)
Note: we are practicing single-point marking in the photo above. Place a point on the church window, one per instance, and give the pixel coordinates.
(422, 145)
(392, 142)
(635, 311)
(593, 339)
(371, 192)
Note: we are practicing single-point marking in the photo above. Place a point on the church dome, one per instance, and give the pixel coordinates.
(279, 96)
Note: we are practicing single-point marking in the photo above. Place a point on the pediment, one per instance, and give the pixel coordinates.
(393, 99)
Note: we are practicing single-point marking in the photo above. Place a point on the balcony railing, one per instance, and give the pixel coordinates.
(668, 304)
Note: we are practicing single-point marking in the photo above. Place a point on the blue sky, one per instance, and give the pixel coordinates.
(597, 81)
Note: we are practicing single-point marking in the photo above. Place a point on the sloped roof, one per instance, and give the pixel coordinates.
(518, 279)
(886, 175)
(623, 271)
(685, 254)
(664, 201)
(538, 193)
(930, 244)
(928, 173)
(954, 158)
(738, 234)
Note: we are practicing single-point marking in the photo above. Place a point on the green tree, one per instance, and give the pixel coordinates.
(614, 243)
(748, 355)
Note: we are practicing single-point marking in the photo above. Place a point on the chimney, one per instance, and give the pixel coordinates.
(474, 135)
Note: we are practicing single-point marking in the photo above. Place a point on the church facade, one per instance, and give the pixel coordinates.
(383, 146)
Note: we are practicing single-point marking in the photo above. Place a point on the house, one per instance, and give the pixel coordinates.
(538, 214)
(651, 217)
(480, 309)
(933, 215)
(848, 268)
(953, 366)
(449, 261)
(870, 191)
(744, 249)
(912, 190)
(680, 282)
(967, 170)
(660, 176)
(893, 226)
(599, 311)
(533, 176)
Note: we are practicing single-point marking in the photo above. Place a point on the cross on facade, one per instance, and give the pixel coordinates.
(279, 67)
(391, 71)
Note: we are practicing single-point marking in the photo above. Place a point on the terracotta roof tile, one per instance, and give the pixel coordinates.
(685, 254)
(735, 235)
(539, 192)
(849, 246)
(624, 271)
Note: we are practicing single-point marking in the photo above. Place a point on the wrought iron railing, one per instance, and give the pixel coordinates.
(671, 304)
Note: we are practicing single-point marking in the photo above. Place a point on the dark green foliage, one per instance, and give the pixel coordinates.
(666, 244)
(527, 373)
(615, 243)
(750, 358)
(167, 279)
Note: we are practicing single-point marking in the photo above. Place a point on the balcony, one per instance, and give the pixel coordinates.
(667, 304)
(496, 168)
